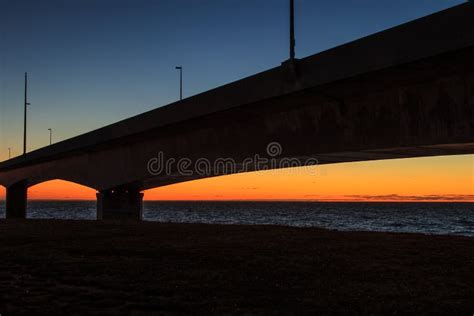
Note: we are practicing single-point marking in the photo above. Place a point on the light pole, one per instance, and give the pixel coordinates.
(24, 122)
(292, 30)
(9, 152)
(50, 136)
(180, 68)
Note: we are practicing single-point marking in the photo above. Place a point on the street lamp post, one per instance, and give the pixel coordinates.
(292, 30)
(26, 104)
(50, 136)
(180, 68)
(9, 153)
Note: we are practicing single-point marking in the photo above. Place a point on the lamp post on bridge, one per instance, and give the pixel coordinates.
(50, 136)
(180, 68)
(26, 106)
(292, 30)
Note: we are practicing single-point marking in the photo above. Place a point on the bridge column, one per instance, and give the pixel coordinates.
(16, 201)
(120, 204)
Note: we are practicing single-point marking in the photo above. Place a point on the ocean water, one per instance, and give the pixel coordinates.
(426, 218)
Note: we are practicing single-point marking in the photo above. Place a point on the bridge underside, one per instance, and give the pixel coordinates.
(126, 202)
(332, 158)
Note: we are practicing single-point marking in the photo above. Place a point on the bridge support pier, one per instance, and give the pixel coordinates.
(120, 204)
(16, 201)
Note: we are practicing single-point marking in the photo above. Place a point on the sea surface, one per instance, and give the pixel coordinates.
(426, 218)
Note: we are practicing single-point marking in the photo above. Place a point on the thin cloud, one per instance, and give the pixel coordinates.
(431, 197)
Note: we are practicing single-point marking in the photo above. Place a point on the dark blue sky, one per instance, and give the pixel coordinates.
(92, 63)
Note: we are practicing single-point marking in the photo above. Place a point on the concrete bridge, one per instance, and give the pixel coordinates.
(404, 92)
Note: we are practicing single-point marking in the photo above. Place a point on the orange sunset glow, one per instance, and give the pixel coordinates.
(420, 179)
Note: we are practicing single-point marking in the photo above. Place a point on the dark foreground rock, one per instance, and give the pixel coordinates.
(60, 267)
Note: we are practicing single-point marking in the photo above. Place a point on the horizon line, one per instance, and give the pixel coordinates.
(279, 200)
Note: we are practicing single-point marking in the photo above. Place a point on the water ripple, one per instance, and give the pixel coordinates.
(427, 218)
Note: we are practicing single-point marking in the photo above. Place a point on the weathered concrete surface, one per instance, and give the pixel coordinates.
(405, 92)
(120, 204)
